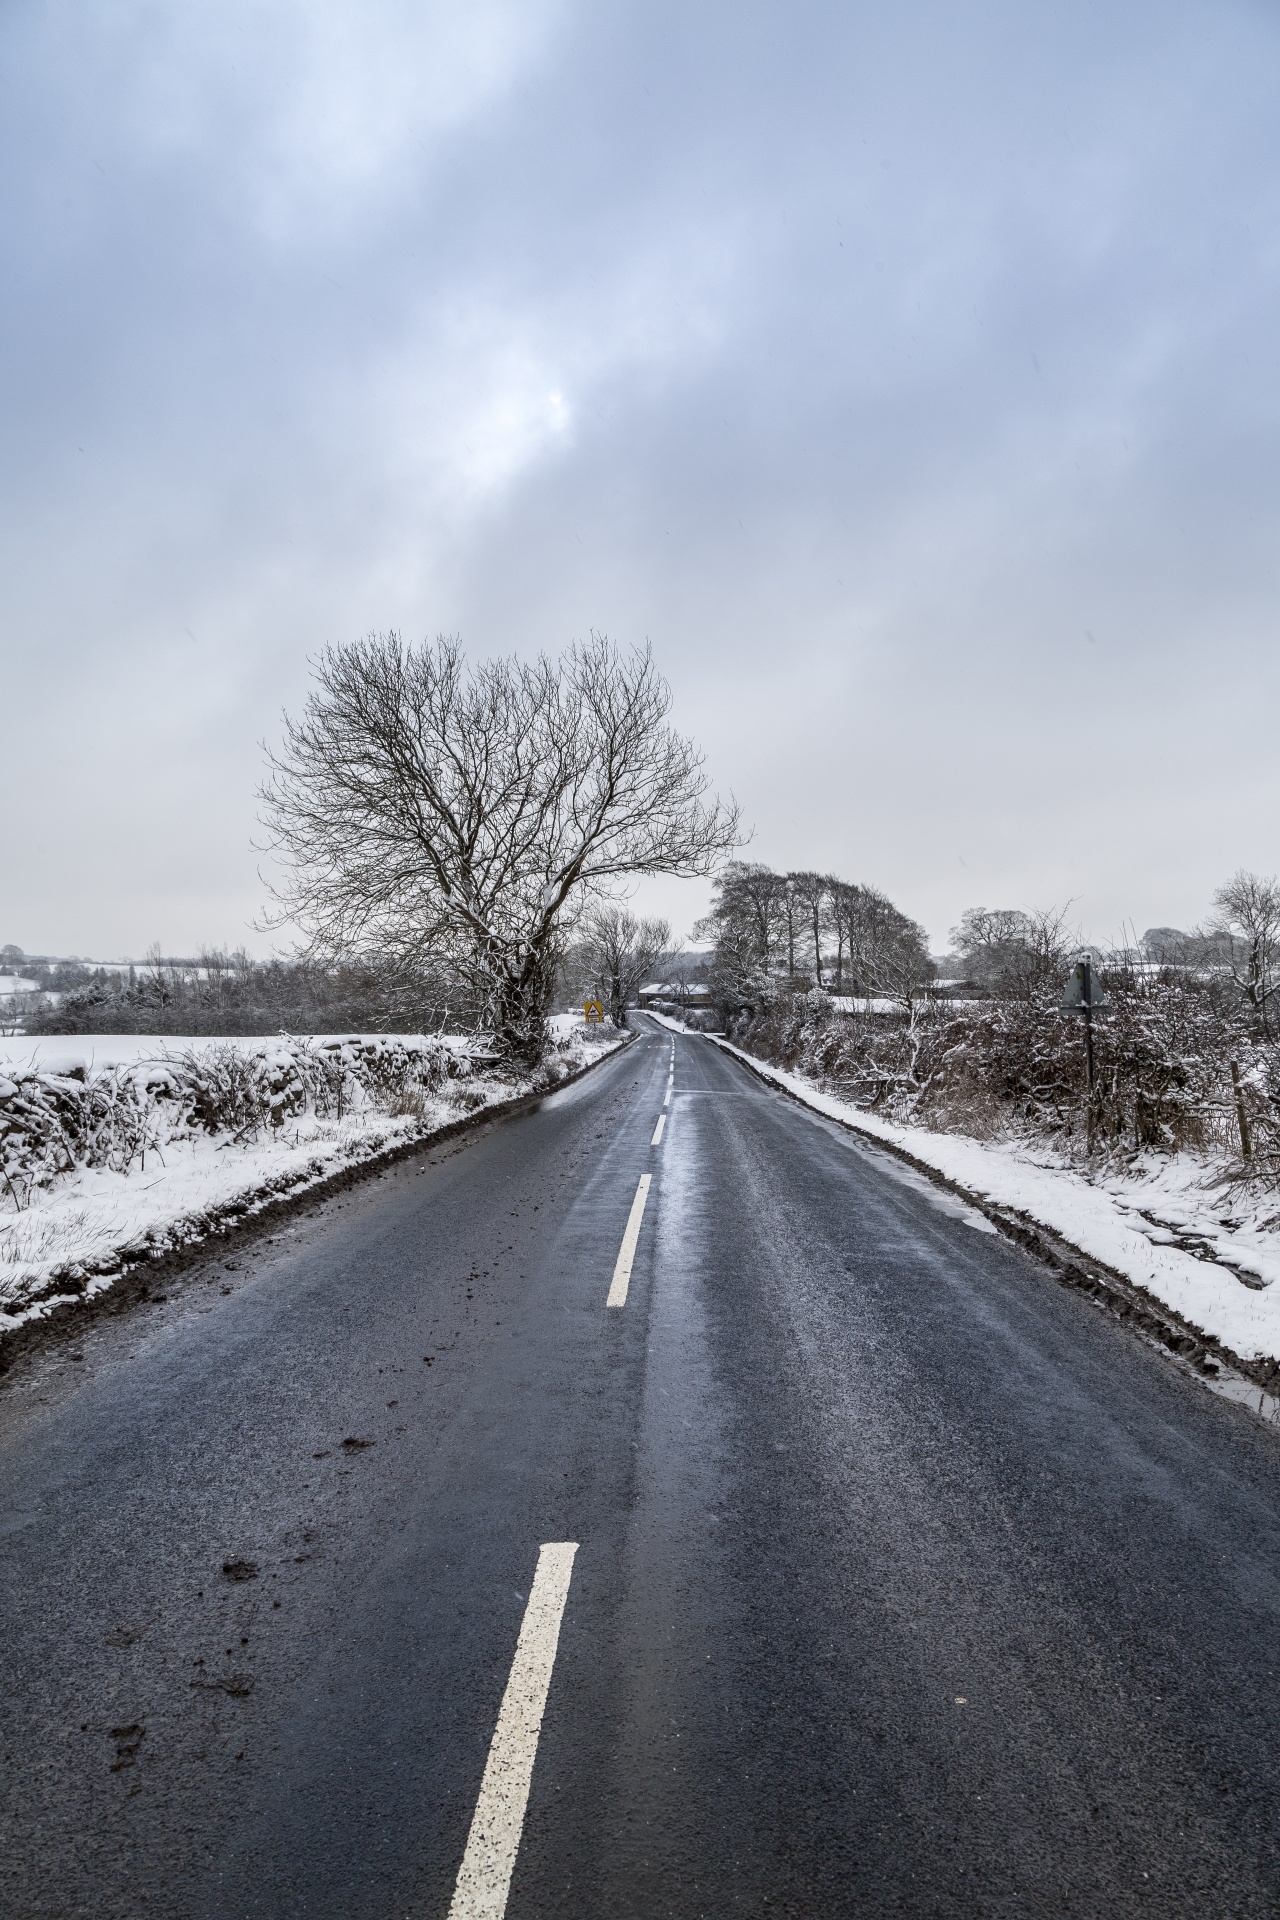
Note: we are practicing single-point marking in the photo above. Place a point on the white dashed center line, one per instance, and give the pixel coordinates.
(657, 1132)
(627, 1252)
(484, 1877)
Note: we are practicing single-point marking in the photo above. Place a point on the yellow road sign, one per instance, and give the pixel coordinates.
(593, 1011)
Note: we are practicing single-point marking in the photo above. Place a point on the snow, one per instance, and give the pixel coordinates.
(1160, 1227)
(77, 1232)
(666, 1020)
(98, 1052)
(876, 1003)
(856, 1003)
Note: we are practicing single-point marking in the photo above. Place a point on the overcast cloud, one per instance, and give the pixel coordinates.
(905, 374)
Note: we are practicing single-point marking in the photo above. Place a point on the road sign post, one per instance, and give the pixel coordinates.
(1083, 995)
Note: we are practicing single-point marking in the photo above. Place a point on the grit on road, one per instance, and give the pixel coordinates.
(844, 1564)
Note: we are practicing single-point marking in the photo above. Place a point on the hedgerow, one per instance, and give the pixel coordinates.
(1016, 1068)
(64, 1115)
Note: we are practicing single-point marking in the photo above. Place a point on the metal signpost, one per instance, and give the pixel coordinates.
(1083, 994)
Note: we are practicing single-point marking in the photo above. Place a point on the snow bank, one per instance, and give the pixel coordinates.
(114, 1149)
(1160, 1227)
(679, 1026)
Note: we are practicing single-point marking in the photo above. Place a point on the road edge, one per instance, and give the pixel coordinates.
(1203, 1355)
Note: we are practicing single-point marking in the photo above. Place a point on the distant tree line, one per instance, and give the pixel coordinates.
(1187, 1053)
(805, 929)
(220, 993)
(609, 956)
(782, 932)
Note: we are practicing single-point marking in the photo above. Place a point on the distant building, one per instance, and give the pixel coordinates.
(682, 993)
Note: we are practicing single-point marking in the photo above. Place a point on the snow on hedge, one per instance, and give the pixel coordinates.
(114, 1148)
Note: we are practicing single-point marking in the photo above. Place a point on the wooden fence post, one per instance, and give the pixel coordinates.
(1246, 1144)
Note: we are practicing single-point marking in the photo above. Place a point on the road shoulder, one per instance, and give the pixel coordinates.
(1119, 1284)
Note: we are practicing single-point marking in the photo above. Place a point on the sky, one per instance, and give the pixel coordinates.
(906, 376)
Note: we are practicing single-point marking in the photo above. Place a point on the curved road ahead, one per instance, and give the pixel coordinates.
(906, 1582)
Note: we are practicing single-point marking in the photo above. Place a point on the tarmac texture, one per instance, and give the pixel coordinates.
(906, 1582)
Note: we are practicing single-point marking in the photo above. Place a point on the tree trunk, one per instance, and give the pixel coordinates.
(520, 1003)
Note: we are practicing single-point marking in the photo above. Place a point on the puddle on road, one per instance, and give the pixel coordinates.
(1245, 1393)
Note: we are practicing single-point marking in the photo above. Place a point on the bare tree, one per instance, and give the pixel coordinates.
(889, 953)
(889, 957)
(737, 976)
(761, 919)
(1165, 946)
(791, 908)
(442, 812)
(1247, 910)
(811, 895)
(617, 952)
(843, 906)
(747, 924)
(1010, 952)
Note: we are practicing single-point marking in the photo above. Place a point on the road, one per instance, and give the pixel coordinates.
(906, 1582)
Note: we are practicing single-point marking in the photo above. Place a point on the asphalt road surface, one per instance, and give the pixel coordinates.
(906, 1582)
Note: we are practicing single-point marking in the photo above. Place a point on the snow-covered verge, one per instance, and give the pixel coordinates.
(115, 1150)
(1158, 1224)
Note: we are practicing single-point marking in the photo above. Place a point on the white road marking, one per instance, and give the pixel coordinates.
(484, 1878)
(627, 1251)
(657, 1132)
(666, 1101)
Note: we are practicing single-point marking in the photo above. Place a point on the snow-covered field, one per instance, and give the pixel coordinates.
(67, 1235)
(1162, 1226)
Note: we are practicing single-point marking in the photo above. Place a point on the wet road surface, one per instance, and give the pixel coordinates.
(906, 1582)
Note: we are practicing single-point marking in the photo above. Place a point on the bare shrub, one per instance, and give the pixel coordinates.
(1016, 1067)
(51, 1123)
(466, 1099)
(1247, 913)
